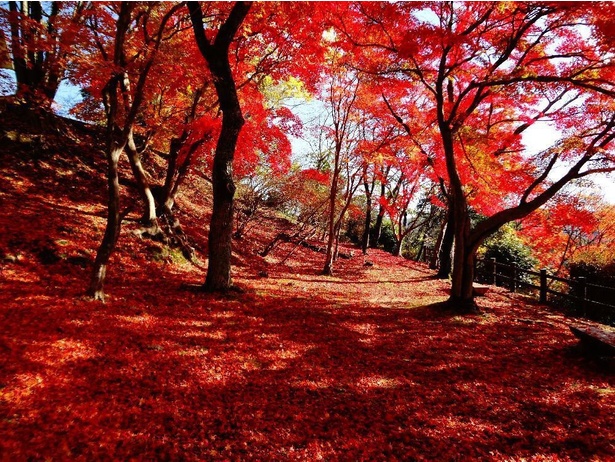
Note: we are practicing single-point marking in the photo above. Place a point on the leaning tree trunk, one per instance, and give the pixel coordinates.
(112, 230)
(176, 174)
(149, 213)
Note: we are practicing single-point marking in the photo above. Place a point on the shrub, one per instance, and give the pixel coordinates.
(507, 248)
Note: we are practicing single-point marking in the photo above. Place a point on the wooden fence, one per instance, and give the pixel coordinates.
(579, 290)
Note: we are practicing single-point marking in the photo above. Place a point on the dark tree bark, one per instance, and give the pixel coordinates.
(462, 296)
(446, 247)
(367, 224)
(216, 55)
(377, 230)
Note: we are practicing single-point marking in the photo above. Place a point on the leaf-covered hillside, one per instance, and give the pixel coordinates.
(363, 365)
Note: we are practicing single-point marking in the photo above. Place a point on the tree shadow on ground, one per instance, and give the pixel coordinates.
(191, 376)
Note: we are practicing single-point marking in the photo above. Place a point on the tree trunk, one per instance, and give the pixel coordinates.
(367, 224)
(328, 268)
(175, 174)
(112, 230)
(462, 279)
(420, 255)
(462, 288)
(446, 247)
(433, 263)
(221, 227)
(149, 213)
(377, 230)
(218, 277)
(397, 249)
(167, 200)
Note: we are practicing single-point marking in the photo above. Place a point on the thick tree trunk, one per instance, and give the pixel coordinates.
(218, 277)
(221, 226)
(462, 291)
(112, 230)
(462, 279)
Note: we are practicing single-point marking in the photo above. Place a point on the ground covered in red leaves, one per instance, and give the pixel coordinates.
(365, 365)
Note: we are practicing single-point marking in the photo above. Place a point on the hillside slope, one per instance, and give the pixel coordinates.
(361, 366)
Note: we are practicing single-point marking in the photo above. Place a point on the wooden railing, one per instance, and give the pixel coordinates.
(579, 290)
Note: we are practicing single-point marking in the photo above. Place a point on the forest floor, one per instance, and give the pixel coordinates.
(364, 365)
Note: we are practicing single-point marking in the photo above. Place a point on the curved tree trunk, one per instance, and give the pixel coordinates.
(149, 213)
(121, 113)
(112, 230)
(176, 173)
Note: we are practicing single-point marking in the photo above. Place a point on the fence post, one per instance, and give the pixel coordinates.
(543, 286)
(513, 282)
(583, 292)
(494, 271)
